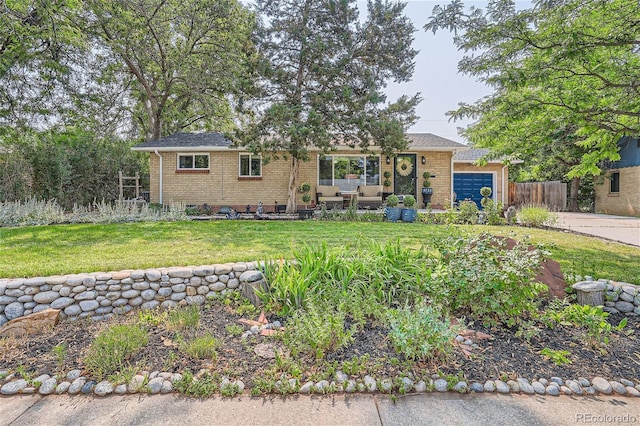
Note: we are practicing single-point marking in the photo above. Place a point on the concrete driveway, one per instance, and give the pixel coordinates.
(615, 228)
(340, 409)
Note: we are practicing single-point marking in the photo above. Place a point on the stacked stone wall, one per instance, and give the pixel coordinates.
(100, 295)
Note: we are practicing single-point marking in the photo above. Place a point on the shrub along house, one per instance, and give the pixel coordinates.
(204, 168)
(618, 190)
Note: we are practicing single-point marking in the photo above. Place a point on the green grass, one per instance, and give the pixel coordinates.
(63, 249)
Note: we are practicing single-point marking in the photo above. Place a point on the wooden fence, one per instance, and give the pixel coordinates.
(553, 195)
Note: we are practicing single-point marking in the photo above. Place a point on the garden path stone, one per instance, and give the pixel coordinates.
(558, 380)
(502, 387)
(120, 389)
(341, 377)
(407, 385)
(461, 387)
(370, 383)
(306, 388)
(46, 297)
(440, 385)
(12, 388)
(489, 386)
(421, 386)
(48, 386)
(167, 386)
(552, 390)
(386, 385)
(14, 310)
(584, 382)
(538, 387)
(525, 386)
(574, 386)
(565, 390)
(602, 385)
(618, 387)
(544, 381)
(76, 386)
(631, 391)
(103, 388)
(351, 386)
(513, 386)
(590, 390)
(62, 387)
(626, 382)
(73, 374)
(476, 387)
(322, 386)
(155, 385)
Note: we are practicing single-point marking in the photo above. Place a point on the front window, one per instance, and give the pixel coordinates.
(193, 161)
(614, 187)
(250, 165)
(348, 171)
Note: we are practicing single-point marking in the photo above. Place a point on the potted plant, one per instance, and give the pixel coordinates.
(305, 213)
(392, 211)
(409, 211)
(386, 184)
(427, 191)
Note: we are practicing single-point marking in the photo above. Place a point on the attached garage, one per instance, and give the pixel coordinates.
(466, 185)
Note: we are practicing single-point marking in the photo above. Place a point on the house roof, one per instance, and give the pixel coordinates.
(430, 141)
(472, 155)
(207, 141)
(193, 141)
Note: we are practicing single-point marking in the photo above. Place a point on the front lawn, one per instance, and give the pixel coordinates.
(62, 249)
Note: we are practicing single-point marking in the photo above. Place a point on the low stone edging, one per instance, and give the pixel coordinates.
(161, 383)
(100, 295)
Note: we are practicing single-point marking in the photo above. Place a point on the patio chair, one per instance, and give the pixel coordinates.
(330, 195)
(369, 196)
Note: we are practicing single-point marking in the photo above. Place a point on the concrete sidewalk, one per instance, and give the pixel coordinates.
(339, 409)
(615, 228)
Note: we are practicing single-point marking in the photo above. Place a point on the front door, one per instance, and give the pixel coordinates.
(404, 175)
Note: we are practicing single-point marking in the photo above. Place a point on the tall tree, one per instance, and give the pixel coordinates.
(37, 41)
(186, 58)
(323, 78)
(561, 67)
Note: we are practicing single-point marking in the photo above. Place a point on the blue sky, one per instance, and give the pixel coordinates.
(436, 76)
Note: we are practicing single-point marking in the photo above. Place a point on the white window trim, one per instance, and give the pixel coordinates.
(192, 154)
(333, 163)
(251, 157)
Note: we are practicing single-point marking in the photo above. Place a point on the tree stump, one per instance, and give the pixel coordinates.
(590, 292)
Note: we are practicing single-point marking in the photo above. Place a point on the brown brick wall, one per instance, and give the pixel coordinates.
(624, 203)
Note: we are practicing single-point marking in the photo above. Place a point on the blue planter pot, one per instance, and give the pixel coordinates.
(409, 215)
(393, 214)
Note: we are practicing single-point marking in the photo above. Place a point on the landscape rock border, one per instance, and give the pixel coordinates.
(101, 295)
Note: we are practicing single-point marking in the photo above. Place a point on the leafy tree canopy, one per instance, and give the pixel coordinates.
(564, 72)
(323, 76)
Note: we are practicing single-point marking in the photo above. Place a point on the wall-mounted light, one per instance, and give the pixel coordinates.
(388, 160)
(424, 160)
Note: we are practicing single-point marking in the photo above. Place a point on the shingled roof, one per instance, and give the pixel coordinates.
(207, 141)
(474, 154)
(192, 141)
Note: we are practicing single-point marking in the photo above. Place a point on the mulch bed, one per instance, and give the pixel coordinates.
(503, 355)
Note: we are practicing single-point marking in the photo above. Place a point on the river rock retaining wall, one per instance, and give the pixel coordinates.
(621, 297)
(100, 295)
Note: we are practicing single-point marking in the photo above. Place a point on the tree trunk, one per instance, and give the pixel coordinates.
(293, 177)
(573, 195)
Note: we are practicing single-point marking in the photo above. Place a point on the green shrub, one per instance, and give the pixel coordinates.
(30, 212)
(468, 213)
(409, 201)
(558, 357)
(591, 318)
(392, 200)
(202, 347)
(110, 351)
(317, 330)
(421, 333)
(182, 318)
(479, 278)
(536, 217)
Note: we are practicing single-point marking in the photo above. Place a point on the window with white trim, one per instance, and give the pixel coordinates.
(348, 171)
(193, 161)
(250, 165)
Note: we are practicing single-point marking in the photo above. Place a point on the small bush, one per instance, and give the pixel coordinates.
(420, 333)
(317, 331)
(481, 279)
(468, 213)
(183, 319)
(203, 347)
(110, 351)
(536, 217)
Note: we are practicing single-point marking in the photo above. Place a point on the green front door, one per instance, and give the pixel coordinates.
(404, 172)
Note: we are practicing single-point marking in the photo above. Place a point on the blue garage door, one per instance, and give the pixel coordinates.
(467, 185)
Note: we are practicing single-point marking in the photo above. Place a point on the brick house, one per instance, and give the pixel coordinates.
(618, 189)
(203, 168)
